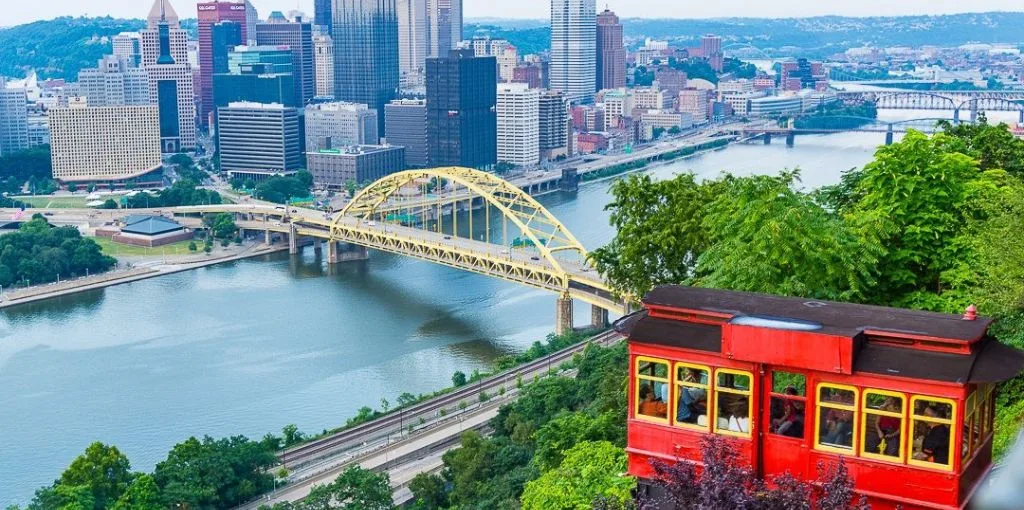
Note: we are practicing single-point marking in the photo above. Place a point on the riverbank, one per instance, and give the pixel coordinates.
(133, 273)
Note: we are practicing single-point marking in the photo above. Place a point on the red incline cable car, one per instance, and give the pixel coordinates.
(905, 397)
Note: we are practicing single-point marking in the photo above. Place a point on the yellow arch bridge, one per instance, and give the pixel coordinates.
(458, 217)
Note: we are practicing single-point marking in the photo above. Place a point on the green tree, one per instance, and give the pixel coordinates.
(142, 494)
(63, 497)
(221, 225)
(591, 469)
(458, 378)
(109, 204)
(292, 435)
(428, 492)
(214, 473)
(103, 469)
(192, 246)
(557, 436)
(354, 489)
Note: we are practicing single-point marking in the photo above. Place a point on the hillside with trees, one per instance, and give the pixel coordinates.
(60, 47)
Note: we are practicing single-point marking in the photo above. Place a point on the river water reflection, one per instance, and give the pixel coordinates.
(250, 346)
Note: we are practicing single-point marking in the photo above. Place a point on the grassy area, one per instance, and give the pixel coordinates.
(123, 250)
(53, 202)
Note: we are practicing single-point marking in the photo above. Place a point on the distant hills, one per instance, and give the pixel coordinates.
(60, 47)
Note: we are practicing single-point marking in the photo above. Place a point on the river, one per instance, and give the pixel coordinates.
(250, 346)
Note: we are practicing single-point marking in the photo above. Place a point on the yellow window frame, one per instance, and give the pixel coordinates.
(680, 384)
(638, 377)
(852, 451)
(747, 393)
(952, 422)
(971, 408)
(865, 411)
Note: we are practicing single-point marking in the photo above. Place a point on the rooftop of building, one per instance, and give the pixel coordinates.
(355, 150)
(149, 225)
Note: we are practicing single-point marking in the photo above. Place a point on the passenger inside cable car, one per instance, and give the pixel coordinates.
(693, 396)
(787, 415)
(932, 445)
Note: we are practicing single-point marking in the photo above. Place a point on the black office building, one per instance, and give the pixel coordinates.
(462, 128)
(226, 35)
(254, 83)
(299, 37)
(365, 34)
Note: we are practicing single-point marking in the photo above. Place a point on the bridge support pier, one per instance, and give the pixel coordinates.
(293, 240)
(598, 317)
(956, 116)
(563, 315)
(790, 139)
(318, 246)
(767, 138)
(1020, 117)
(268, 237)
(338, 252)
(889, 136)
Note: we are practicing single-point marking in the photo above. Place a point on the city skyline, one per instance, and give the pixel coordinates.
(19, 13)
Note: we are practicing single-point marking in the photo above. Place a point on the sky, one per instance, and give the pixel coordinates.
(16, 11)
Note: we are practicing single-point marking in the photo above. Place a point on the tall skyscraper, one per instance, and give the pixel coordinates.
(209, 14)
(574, 48)
(412, 41)
(128, 45)
(259, 74)
(114, 83)
(172, 89)
(322, 15)
(444, 26)
(105, 144)
(365, 34)
(323, 63)
(406, 124)
(150, 36)
(461, 121)
(611, 54)
(226, 36)
(297, 35)
(518, 114)
(711, 50)
(13, 119)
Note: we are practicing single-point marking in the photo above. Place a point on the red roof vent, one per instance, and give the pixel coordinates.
(971, 313)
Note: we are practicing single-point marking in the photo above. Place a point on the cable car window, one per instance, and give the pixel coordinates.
(882, 427)
(788, 383)
(931, 423)
(693, 387)
(976, 426)
(732, 402)
(788, 405)
(837, 418)
(652, 389)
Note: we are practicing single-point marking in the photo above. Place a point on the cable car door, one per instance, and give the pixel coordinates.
(787, 421)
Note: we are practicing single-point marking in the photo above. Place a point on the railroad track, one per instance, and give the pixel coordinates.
(430, 409)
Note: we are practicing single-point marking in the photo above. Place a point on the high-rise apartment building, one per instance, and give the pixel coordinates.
(553, 132)
(128, 45)
(258, 139)
(711, 50)
(611, 53)
(461, 121)
(651, 98)
(412, 41)
(172, 89)
(336, 125)
(209, 14)
(13, 119)
(574, 49)
(322, 15)
(323, 64)
(365, 34)
(114, 83)
(518, 115)
(406, 124)
(297, 35)
(444, 26)
(105, 144)
(149, 38)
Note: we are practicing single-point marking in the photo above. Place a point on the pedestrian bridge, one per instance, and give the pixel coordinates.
(458, 217)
